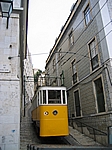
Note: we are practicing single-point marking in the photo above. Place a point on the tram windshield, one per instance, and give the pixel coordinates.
(54, 96)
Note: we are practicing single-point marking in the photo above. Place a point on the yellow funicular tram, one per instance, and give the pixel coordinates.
(49, 111)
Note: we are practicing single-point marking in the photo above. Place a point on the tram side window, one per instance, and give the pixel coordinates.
(54, 96)
(36, 104)
(64, 101)
(44, 96)
(40, 97)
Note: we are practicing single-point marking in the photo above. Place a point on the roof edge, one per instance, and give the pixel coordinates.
(64, 28)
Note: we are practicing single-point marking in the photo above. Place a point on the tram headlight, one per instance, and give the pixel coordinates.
(46, 113)
(55, 112)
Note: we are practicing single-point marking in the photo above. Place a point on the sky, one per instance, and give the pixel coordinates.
(45, 19)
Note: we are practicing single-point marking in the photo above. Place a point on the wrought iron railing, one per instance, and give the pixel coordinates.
(91, 129)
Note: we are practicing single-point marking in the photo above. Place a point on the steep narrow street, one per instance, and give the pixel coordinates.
(28, 137)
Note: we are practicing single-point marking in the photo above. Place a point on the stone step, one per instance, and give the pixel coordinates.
(26, 130)
(23, 119)
(26, 127)
(27, 133)
(26, 124)
(28, 137)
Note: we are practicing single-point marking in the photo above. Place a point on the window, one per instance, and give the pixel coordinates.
(71, 39)
(40, 97)
(54, 96)
(87, 15)
(74, 72)
(99, 95)
(77, 103)
(93, 54)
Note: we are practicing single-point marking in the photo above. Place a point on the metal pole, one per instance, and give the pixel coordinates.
(7, 22)
(24, 95)
(94, 134)
(81, 128)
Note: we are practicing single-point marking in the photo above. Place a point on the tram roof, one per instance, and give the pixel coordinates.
(52, 88)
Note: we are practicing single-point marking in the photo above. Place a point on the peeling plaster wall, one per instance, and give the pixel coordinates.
(9, 114)
(10, 83)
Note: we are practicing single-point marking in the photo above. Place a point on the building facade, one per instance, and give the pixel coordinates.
(12, 53)
(82, 55)
(28, 78)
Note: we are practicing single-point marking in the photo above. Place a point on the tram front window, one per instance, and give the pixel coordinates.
(54, 96)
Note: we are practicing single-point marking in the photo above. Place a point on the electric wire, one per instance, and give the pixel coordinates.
(86, 44)
(73, 53)
(76, 28)
(73, 31)
(84, 31)
(93, 48)
(102, 64)
(78, 39)
(86, 53)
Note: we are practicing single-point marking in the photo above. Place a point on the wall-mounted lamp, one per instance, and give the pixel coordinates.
(6, 9)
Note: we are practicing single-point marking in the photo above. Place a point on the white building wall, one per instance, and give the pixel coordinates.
(9, 83)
